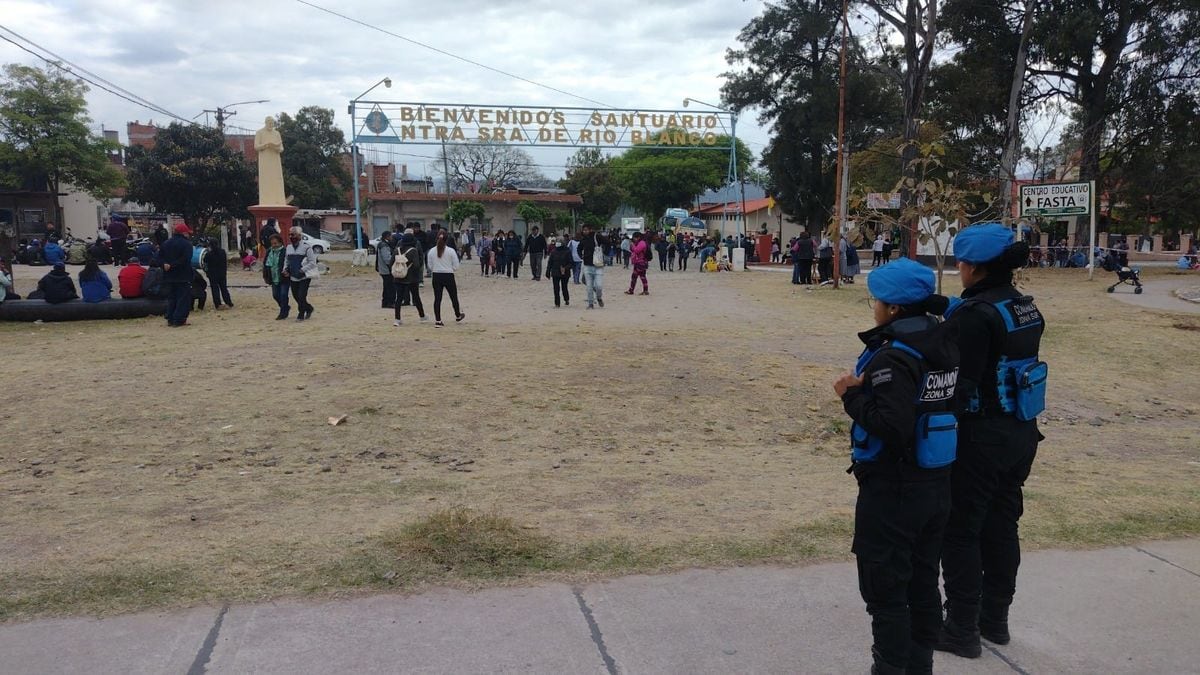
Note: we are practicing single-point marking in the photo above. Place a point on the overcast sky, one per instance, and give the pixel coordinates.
(186, 56)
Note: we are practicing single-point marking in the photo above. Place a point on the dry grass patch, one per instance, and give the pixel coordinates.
(146, 467)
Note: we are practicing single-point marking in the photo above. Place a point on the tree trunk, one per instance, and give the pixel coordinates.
(1012, 135)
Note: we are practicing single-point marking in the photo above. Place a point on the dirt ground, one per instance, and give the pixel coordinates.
(147, 466)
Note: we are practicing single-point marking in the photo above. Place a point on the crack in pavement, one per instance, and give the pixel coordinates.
(594, 628)
(1009, 662)
(200, 664)
(1159, 557)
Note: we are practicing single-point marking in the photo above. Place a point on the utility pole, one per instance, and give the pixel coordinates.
(841, 156)
(446, 169)
(224, 112)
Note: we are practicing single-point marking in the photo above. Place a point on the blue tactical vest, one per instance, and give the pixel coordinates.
(1017, 385)
(935, 439)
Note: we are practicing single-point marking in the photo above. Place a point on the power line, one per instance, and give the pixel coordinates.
(84, 74)
(452, 55)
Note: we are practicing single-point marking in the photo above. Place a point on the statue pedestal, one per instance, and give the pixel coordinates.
(283, 221)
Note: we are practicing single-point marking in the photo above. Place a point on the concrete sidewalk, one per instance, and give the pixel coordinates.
(1124, 610)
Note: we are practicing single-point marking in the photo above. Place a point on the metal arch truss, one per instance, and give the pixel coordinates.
(405, 123)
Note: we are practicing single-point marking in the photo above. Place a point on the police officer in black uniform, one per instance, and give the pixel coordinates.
(900, 397)
(1001, 391)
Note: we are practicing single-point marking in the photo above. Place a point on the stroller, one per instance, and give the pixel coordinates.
(1125, 275)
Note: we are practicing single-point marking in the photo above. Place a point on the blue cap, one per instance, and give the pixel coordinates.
(407, 240)
(982, 243)
(903, 282)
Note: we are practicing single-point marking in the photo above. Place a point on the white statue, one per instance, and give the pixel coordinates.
(269, 145)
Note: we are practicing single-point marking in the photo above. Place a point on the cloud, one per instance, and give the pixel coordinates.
(192, 56)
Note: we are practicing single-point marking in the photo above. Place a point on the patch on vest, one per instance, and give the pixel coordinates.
(881, 376)
(1020, 313)
(938, 386)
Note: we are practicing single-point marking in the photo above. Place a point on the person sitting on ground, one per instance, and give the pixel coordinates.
(130, 278)
(94, 283)
(248, 260)
(57, 286)
(53, 253)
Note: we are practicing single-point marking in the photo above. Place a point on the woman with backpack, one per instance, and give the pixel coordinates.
(406, 272)
(443, 263)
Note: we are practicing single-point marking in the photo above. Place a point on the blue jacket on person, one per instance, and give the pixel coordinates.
(54, 254)
(96, 289)
(512, 248)
(177, 252)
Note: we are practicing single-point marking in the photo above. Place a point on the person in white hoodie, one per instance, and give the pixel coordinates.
(442, 262)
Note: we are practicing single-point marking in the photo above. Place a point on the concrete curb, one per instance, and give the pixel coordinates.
(1124, 610)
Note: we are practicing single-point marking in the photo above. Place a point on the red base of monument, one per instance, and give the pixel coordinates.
(283, 221)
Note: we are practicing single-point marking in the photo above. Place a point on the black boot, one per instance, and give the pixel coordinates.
(881, 667)
(993, 623)
(960, 633)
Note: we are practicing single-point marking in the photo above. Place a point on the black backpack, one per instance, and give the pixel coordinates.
(152, 283)
(649, 252)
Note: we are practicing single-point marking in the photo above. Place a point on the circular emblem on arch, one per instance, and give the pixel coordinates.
(377, 122)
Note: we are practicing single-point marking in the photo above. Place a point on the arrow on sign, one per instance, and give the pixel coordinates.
(1028, 201)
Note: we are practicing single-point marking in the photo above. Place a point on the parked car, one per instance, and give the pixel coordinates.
(319, 245)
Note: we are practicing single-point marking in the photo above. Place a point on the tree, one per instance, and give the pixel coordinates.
(44, 135)
(939, 210)
(1103, 55)
(313, 147)
(532, 213)
(655, 179)
(787, 67)
(190, 171)
(916, 24)
(459, 212)
(590, 175)
(484, 167)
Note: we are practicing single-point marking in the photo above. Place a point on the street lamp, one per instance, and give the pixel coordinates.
(387, 83)
(733, 172)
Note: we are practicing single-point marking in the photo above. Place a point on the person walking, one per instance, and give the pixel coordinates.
(877, 251)
(385, 255)
(626, 250)
(512, 254)
(300, 268)
(443, 262)
(590, 252)
(535, 248)
(273, 276)
(501, 261)
(576, 260)
(176, 255)
(408, 287)
(885, 255)
(638, 258)
(900, 399)
(484, 251)
(1004, 384)
(216, 263)
(558, 268)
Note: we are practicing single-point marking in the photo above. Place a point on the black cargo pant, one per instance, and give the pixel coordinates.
(982, 550)
(897, 541)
